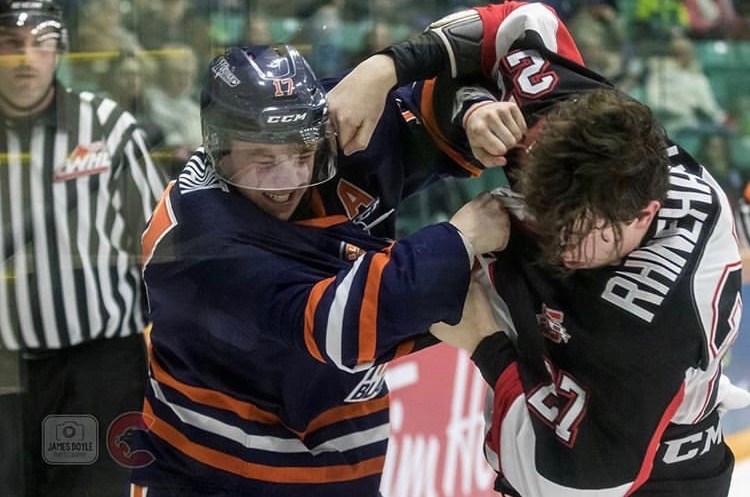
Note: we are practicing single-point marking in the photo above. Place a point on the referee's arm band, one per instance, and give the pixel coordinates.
(451, 44)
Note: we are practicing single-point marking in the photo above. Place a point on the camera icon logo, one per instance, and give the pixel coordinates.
(71, 439)
(69, 430)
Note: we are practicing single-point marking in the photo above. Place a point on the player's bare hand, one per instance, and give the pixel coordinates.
(493, 128)
(357, 101)
(477, 321)
(484, 222)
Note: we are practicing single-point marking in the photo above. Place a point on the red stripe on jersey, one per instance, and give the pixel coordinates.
(162, 221)
(312, 305)
(368, 312)
(430, 123)
(653, 446)
(507, 389)
(493, 17)
(273, 474)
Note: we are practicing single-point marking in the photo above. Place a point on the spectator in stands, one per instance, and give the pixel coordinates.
(227, 21)
(129, 76)
(651, 24)
(173, 21)
(715, 154)
(678, 91)
(172, 104)
(258, 30)
(712, 18)
(599, 33)
(103, 36)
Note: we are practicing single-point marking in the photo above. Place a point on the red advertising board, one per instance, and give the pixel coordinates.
(437, 427)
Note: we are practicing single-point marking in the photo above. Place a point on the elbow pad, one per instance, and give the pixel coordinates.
(461, 37)
(451, 44)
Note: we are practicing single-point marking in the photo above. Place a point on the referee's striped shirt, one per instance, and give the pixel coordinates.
(76, 187)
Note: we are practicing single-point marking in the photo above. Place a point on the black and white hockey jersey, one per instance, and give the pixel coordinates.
(608, 381)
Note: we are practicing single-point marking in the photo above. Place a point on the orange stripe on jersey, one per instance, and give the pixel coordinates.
(312, 305)
(404, 348)
(428, 117)
(162, 220)
(136, 491)
(274, 474)
(746, 192)
(348, 411)
(206, 396)
(321, 221)
(368, 313)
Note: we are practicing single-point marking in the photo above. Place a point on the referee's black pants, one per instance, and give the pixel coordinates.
(103, 379)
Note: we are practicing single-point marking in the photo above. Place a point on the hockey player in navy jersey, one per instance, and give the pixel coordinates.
(619, 292)
(277, 293)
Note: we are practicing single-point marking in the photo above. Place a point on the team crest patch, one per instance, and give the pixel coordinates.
(350, 252)
(550, 324)
(85, 160)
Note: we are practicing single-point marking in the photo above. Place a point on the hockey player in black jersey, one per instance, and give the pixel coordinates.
(277, 293)
(619, 292)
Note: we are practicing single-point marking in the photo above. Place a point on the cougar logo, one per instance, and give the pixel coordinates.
(125, 440)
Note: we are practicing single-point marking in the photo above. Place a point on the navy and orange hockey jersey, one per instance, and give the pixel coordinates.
(609, 380)
(270, 338)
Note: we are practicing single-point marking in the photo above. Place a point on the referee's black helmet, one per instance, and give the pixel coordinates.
(43, 16)
(269, 95)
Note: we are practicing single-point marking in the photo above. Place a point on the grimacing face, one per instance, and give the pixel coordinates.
(273, 176)
(27, 67)
(600, 248)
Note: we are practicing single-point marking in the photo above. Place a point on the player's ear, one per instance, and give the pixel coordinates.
(647, 214)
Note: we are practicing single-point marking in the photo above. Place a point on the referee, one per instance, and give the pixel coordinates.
(76, 187)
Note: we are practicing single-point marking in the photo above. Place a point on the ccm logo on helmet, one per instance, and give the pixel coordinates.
(287, 118)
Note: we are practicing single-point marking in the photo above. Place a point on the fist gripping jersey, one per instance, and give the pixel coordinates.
(608, 381)
(269, 337)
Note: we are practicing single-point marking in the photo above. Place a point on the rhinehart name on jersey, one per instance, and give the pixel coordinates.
(650, 272)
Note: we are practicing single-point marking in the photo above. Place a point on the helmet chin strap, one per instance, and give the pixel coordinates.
(26, 109)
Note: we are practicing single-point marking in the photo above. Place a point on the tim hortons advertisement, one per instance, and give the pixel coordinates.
(437, 427)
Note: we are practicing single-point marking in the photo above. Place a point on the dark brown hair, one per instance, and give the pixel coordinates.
(599, 157)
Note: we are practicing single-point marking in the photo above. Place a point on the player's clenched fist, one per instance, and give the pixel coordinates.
(484, 222)
(493, 128)
(356, 102)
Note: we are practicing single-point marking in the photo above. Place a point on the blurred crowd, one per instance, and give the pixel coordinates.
(688, 59)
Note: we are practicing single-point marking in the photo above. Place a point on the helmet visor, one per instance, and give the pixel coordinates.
(258, 165)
